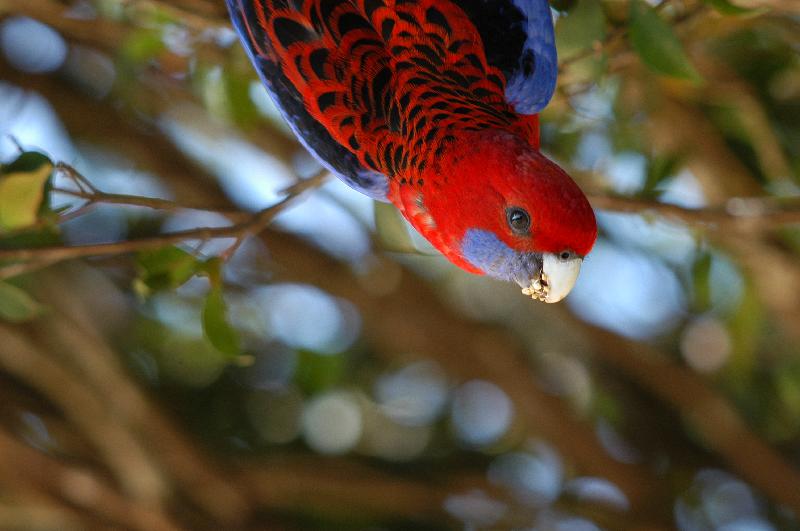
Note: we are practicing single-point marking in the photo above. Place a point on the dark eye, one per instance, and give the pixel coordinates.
(566, 255)
(519, 220)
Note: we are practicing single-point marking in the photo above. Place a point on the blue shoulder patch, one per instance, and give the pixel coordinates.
(531, 86)
(518, 38)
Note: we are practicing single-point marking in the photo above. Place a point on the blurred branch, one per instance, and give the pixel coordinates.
(286, 482)
(786, 6)
(249, 226)
(104, 123)
(74, 485)
(72, 335)
(707, 412)
(157, 91)
(334, 487)
(106, 33)
(74, 331)
(469, 351)
(779, 291)
(92, 197)
(464, 348)
(129, 462)
(676, 126)
(738, 213)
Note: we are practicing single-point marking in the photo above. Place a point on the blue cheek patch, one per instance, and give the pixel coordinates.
(484, 250)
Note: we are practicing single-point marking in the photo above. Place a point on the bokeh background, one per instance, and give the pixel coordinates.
(333, 372)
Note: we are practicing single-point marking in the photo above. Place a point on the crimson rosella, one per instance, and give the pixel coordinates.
(432, 105)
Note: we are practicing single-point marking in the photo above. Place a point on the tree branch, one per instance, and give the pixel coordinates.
(711, 415)
(154, 203)
(93, 196)
(738, 213)
(78, 486)
(252, 224)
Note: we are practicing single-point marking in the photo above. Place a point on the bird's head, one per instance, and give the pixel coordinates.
(494, 205)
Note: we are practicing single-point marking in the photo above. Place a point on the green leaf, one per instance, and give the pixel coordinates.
(578, 30)
(216, 327)
(241, 109)
(26, 162)
(657, 45)
(728, 8)
(165, 268)
(16, 305)
(23, 193)
(391, 229)
(745, 325)
(787, 382)
(181, 357)
(701, 282)
(659, 170)
(226, 94)
(317, 372)
(143, 45)
(212, 268)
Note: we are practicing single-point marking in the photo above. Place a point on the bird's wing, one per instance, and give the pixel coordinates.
(374, 88)
(332, 105)
(518, 39)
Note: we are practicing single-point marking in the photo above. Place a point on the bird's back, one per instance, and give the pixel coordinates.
(377, 88)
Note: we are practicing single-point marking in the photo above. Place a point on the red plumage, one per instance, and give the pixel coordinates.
(405, 90)
(433, 83)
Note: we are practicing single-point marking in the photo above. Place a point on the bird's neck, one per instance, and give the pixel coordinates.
(443, 199)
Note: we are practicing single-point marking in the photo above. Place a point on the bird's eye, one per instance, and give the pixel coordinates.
(565, 255)
(519, 220)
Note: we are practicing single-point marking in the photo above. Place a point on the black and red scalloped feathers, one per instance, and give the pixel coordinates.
(377, 87)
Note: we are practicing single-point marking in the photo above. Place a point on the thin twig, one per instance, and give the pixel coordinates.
(251, 225)
(21, 268)
(154, 203)
(17, 144)
(77, 177)
(92, 195)
(738, 213)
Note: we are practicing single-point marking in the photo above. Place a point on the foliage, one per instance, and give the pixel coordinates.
(167, 364)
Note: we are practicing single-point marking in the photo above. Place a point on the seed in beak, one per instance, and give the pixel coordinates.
(539, 288)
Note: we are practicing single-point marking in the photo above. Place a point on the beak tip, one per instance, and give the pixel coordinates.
(555, 281)
(552, 300)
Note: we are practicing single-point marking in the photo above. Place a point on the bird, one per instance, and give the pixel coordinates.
(432, 105)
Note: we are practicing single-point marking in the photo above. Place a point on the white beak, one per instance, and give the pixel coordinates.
(557, 279)
(560, 275)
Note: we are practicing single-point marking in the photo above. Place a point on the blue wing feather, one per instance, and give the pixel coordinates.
(529, 89)
(519, 39)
